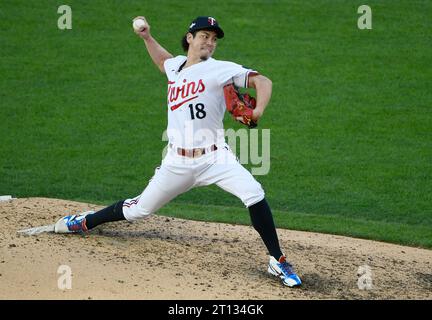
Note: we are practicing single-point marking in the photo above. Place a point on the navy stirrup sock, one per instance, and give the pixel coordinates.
(262, 221)
(108, 214)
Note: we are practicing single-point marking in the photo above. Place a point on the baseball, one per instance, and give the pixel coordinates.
(139, 24)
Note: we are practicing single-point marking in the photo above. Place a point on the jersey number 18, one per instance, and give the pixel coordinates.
(198, 112)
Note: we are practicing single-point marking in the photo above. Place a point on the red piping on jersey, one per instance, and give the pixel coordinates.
(248, 75)
(178, 105)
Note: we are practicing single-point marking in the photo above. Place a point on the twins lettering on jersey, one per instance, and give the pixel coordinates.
(187, 89)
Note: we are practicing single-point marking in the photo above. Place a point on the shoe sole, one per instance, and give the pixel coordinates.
(38, 230)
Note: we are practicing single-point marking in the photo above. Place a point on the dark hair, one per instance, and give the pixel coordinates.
(184, 42)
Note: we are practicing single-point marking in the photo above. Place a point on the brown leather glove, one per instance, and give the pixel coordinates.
(240, 105)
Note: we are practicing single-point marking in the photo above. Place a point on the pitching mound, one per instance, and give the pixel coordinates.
(166, 258)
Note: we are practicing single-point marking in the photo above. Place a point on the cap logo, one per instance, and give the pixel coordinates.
(192, 25)
(212, 21)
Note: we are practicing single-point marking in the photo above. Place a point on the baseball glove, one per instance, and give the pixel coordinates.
(240, 105)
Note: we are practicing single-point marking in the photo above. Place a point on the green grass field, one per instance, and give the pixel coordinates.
(82, 111)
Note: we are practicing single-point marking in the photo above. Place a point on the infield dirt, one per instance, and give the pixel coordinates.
(168, 258)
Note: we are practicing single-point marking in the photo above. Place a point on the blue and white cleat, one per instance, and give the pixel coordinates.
(72, 224)
(284, 271)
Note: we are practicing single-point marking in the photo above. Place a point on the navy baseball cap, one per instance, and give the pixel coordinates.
(206, 23)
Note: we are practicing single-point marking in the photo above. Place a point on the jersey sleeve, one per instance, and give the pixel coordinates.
(232, 72)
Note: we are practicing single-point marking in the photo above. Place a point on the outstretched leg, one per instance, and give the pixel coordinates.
(165, 185)
(108, 214)
(88, 220)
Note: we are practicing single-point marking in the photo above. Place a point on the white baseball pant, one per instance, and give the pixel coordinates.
(178, 174)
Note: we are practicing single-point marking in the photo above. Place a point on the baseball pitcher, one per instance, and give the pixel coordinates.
(200, 89)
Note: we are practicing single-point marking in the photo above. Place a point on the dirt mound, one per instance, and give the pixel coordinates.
(167, 258)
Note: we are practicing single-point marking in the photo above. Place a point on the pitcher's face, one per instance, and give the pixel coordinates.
(203, 44)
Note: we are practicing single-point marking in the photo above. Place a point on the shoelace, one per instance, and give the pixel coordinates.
(286, 268)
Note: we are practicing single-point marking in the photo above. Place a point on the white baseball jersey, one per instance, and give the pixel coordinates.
(196, 107)
(196, 103)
